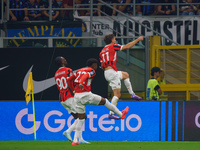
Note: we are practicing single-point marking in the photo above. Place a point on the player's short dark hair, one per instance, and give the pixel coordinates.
(108, 38)
(58, 61)
(155, 69)
(91, 61)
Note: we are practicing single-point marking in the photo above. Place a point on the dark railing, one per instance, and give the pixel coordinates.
(134, 4)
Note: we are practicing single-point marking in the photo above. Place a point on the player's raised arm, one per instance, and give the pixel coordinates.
(131, 44)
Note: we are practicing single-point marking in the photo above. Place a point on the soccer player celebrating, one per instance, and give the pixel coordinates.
(83, 96)
(108, 59)
(66, 96)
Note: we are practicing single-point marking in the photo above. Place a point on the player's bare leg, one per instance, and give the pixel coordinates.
(67, 133)
(114, 101)
(78, 139)
(110, 106)
(127, 82)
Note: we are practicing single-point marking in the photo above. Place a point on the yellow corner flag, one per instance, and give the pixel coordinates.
(29, 90)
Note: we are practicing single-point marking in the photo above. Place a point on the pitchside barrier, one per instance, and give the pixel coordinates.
(181, 67)
(146, 121)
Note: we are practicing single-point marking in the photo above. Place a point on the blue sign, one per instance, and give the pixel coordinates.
(45, 31)
(140, 124)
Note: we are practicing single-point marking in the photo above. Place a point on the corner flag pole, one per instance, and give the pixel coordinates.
(34, 116)
(29, 90)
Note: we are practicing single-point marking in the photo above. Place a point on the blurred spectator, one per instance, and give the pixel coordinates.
(68, 14)
(166, 9)
(77, 5)
(122, 8)
(180, 10)
(107, 10)
(17, 15)
(137, 9)
(33, 14)
(41, 3)
(147, 10)
(4, 8)
(198, 7)
(1, 10)
(87, 12)
(188, 9)
(59, 2)
(55, 13)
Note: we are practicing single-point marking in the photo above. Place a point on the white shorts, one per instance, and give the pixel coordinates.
(69, 105)
(82, 99)
(114, 78)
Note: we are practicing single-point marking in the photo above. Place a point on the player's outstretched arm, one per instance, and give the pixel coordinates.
(131, 44)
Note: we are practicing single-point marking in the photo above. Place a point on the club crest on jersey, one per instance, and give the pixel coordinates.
(92, 73)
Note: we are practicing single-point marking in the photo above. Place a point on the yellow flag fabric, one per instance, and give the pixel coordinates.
(29, 88)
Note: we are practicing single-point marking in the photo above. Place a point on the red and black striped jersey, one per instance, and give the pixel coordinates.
(61, 76)
(83, 76)
(108, 55)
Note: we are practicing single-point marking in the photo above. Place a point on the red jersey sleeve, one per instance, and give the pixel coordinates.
(117, 47)
(84, 78)
(70, 82)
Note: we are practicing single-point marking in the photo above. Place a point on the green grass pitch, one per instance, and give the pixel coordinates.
(98, 145)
